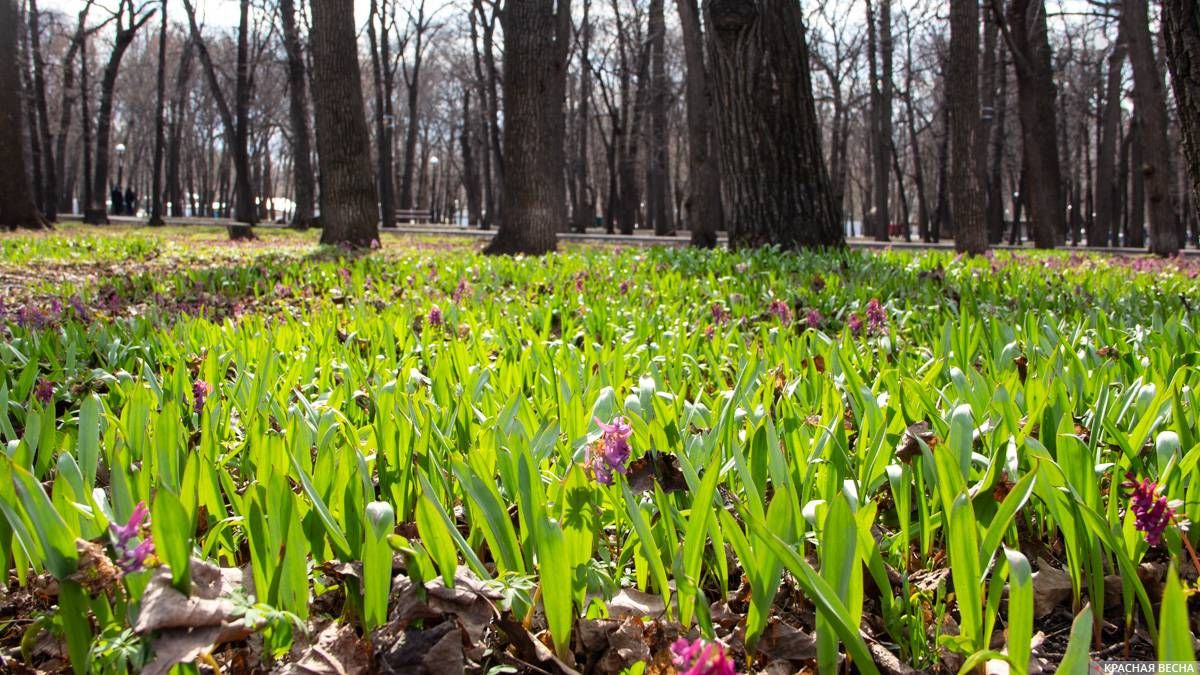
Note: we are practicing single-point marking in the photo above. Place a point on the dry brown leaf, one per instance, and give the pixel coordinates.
(1051, 587)
(337, 650)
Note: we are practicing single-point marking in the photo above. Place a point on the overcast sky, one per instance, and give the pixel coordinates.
(211, 12)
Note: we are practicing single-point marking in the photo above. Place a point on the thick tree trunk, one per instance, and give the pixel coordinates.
(1152, 107)
(302, 173)
(1181, 19)
(880, 29)
(17, 207)
(703, 202)
(348, 199)
(537, 37)
(1107, 211)
(774, 176)
(962, 97)
(658, 203)
(1036, 93)
(1135, 226)
(156, 191)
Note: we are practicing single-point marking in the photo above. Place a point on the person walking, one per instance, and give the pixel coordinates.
(130, 201)
(118, 201)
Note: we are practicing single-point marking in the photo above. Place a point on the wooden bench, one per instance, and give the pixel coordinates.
(413, 216)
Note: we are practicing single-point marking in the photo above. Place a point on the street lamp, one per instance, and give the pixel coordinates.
(433, 212)
(120, 163)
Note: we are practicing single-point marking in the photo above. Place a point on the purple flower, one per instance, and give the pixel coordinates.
(579, 279)
(780, 309)
(611, 451)
(719, 313)
(435, 316)
(462, 290)
(855, 324)
(813, 319)
(375, 244)
(131, 558)
(1151, 511)
(200, 392)
(344, 274)
(876, 316)
(81, 310)
(43, 391)
(624, 287)
(701, 657)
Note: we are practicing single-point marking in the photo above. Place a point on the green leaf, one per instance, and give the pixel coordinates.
(173, 538)
(1075, 660)
(1175, 636)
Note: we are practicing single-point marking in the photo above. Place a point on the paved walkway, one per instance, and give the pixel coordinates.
(639, 238)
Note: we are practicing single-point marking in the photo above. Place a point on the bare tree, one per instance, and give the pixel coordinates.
(703, 204)
(1107, 197)
(773, 173)
(348, 197)
(156, 192)
(537, 35)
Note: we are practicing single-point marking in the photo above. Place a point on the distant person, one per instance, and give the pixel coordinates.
(117, 201)
(130, 201)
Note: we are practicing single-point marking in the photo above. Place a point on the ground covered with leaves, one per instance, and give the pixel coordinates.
(279, 457)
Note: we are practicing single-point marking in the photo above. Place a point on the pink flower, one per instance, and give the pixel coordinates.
(464, 288)
(1151, 510)
(200, 392)
(435, 316)
(813, 319)
(43, 391)
(611, 452)
(719, 313)
(131, 558)
(780, 309)
(876, 316)
(701, 657)
(624, 287)
(855, 324)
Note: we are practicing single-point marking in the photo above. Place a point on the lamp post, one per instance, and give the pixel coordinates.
(433, 209)
(120, 163)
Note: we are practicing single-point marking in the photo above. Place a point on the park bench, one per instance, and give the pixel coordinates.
(413, 216)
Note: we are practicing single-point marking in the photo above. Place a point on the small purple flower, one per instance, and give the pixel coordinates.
(855, 324)
(131, 558)
(1151, 510)
(624, 289)
(435, 316)
(200, 392)
(345, 275)
(780, 309)
(611, 451)
(876, 316)
(81, 310)
(720, 315)
(579, 279)
(375, 244)
(701, 657)
(463, 289)
(43, 391)
(813, 319)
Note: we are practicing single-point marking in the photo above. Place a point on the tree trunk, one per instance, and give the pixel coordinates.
(585, 212)
(349, 215)
(1030, 45)
(880, 29)
(537, 39)
(17, 207)
(29, 109)
(384, 121)
(703, 202)
(50, 175)
(156, 190)
(183, 76)
(658, 203)
(66, 108)
(1151, 105)
(774, 176)
(1107, 213)
(1135, 226)
(962, 97)
(302, 173)
(95, 212)
(1182, 22)
(470, 172)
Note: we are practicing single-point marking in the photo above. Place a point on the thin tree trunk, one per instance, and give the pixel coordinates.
(1135, 228)
(470, 172)
(348, 198)
(384, 121)
(156, 190)
(302, 173)
(50, 174)
(183, 76)
(585, 213)
(774, 177)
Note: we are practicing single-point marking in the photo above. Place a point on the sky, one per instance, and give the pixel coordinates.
(211, 12)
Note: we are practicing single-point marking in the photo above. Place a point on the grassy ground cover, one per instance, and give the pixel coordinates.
(271, 455)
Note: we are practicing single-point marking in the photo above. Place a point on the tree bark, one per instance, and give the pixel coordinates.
(349, 215)
(880, 30)
(470, 172)
(962, 97)
(412, 79)
(703, 202)
(385, 121)
(156, 191)
(1151, 105)
(302, 173)
(1106, 155)
(773, 172)
(1181, 19)
(585, 212)
(183, 77)
(50, 174)
(1029, 43)
(17, 207)
(658, 203)
(537, 35)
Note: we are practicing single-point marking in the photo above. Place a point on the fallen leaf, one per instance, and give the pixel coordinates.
(787, 643)
(1051, 586)
(337, 650)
